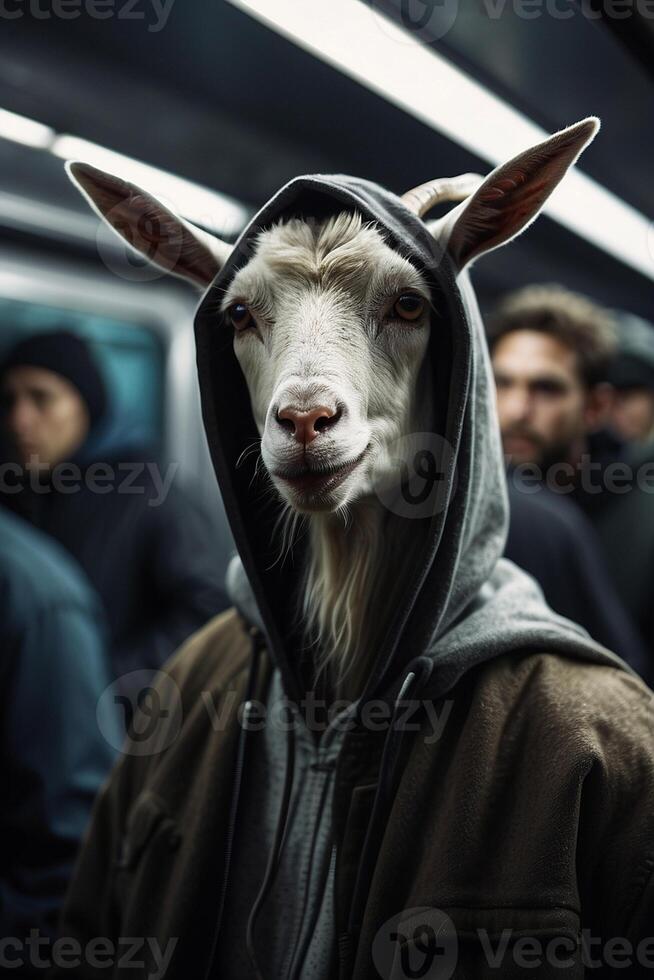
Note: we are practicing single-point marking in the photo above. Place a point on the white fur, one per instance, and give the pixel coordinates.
(321, 293)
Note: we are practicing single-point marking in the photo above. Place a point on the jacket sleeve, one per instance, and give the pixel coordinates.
(89, 912)
(639, 926)
(92, 909)
(620, 806)
(185, 571)
(60, 742)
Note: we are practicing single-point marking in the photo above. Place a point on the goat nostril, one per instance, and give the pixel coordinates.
(326, 420)
(305, 426)
(286, 421)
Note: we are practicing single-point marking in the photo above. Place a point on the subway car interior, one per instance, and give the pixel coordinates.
(203, 99)
(212, 107)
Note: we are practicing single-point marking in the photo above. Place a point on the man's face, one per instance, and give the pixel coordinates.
(44, 416)
(541, 400)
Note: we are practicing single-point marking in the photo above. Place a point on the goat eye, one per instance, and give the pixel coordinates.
(240, 316)
(409, 306)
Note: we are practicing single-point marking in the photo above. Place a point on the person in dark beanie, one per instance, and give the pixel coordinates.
(56, 396)
(144, 544)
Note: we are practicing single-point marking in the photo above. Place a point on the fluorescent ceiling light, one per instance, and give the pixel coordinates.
(358, 41)
(205, 207)
(20, 129)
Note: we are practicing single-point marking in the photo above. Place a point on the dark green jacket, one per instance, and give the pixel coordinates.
(534, 809)
(533, 813)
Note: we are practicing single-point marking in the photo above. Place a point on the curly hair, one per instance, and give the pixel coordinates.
(579, 323)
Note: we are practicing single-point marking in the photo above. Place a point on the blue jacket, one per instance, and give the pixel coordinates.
(152, 555)
(57, 741)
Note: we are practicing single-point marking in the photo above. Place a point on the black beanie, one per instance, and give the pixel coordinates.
(67, 355)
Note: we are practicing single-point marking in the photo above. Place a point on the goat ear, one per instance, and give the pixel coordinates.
(512, 195)
(151, 228)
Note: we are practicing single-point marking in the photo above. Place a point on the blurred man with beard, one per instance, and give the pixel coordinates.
(551, 351)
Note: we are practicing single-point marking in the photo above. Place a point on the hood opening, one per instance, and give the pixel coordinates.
(462, 543)
(251, 506)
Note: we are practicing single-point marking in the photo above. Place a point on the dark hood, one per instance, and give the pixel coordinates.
(463, 604)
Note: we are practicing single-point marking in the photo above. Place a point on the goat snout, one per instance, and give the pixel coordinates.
(306, 425)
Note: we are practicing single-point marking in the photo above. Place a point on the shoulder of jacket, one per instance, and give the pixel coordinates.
(213, 655)
(210, 662)
(602, 707)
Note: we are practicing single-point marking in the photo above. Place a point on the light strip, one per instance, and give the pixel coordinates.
(23, 212)
(361, 43)
(20, 129)
(205, 207)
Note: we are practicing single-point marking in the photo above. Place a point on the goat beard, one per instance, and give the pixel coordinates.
(351, 587)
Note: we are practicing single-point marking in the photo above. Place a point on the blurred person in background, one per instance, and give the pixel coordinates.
(626, 530)
(632, 375)
(145, 545)
(54, 753)
(550, 538)
(551, 351)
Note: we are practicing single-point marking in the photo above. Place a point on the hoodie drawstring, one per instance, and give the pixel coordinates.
(275, 853)
(388, 773)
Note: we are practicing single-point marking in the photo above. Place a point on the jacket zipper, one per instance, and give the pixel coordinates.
(327, 768)
(345, 955)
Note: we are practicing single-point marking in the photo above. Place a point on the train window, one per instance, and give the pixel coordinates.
(130, 356)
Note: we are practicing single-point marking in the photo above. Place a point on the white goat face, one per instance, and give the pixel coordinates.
(331, 327)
